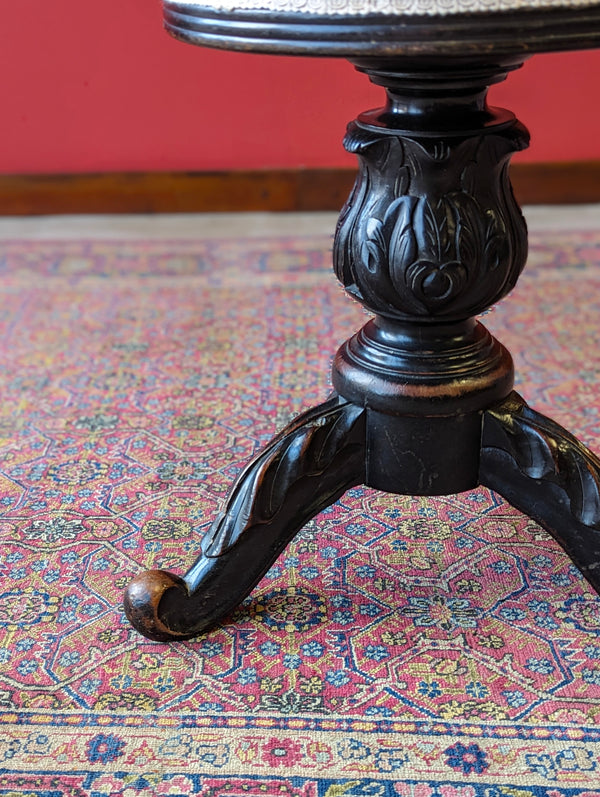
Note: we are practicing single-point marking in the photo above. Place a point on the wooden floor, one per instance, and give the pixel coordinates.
(269, 190)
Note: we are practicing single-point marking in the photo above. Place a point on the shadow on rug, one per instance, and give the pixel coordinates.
(401, 647)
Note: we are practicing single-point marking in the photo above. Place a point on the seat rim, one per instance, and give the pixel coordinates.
(464, 36)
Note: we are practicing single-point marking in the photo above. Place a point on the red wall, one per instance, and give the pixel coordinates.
(98, 86)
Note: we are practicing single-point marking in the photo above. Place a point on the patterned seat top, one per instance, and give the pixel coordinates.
(384, 7)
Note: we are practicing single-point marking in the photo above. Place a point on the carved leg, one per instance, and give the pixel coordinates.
(547, 474)
(307, 467)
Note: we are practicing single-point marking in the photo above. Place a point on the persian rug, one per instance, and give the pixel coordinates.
(401, 647)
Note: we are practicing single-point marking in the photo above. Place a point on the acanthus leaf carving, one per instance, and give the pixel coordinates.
(307, 448)
(440, 237)
(546, 454)
(544, 471)
(402, 247)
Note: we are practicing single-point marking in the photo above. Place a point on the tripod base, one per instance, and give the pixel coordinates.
(530, 460)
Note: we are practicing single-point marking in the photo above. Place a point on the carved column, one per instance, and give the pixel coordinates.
(430, 237)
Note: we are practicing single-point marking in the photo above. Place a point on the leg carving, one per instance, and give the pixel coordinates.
(549, 475)
(304, 469)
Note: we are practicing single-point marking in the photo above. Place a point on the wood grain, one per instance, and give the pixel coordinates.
(283, 190)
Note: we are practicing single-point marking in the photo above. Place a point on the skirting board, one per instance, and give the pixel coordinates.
(282, 190)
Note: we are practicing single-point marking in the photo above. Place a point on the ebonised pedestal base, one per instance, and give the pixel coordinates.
(430, 237)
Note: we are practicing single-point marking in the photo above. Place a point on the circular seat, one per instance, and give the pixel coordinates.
(458, 28)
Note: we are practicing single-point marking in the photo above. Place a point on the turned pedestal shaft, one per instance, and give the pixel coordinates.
(430, 237)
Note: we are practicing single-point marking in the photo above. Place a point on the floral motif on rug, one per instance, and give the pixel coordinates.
(402, 647)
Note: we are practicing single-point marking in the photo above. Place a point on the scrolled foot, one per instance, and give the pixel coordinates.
(544, 471)
(142, 601)
(307, 467)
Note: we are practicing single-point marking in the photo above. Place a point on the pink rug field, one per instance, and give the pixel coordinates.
(401, 647)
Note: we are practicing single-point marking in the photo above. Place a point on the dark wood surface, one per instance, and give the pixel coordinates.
(549, 475)
(304, 469)
(268, 190)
